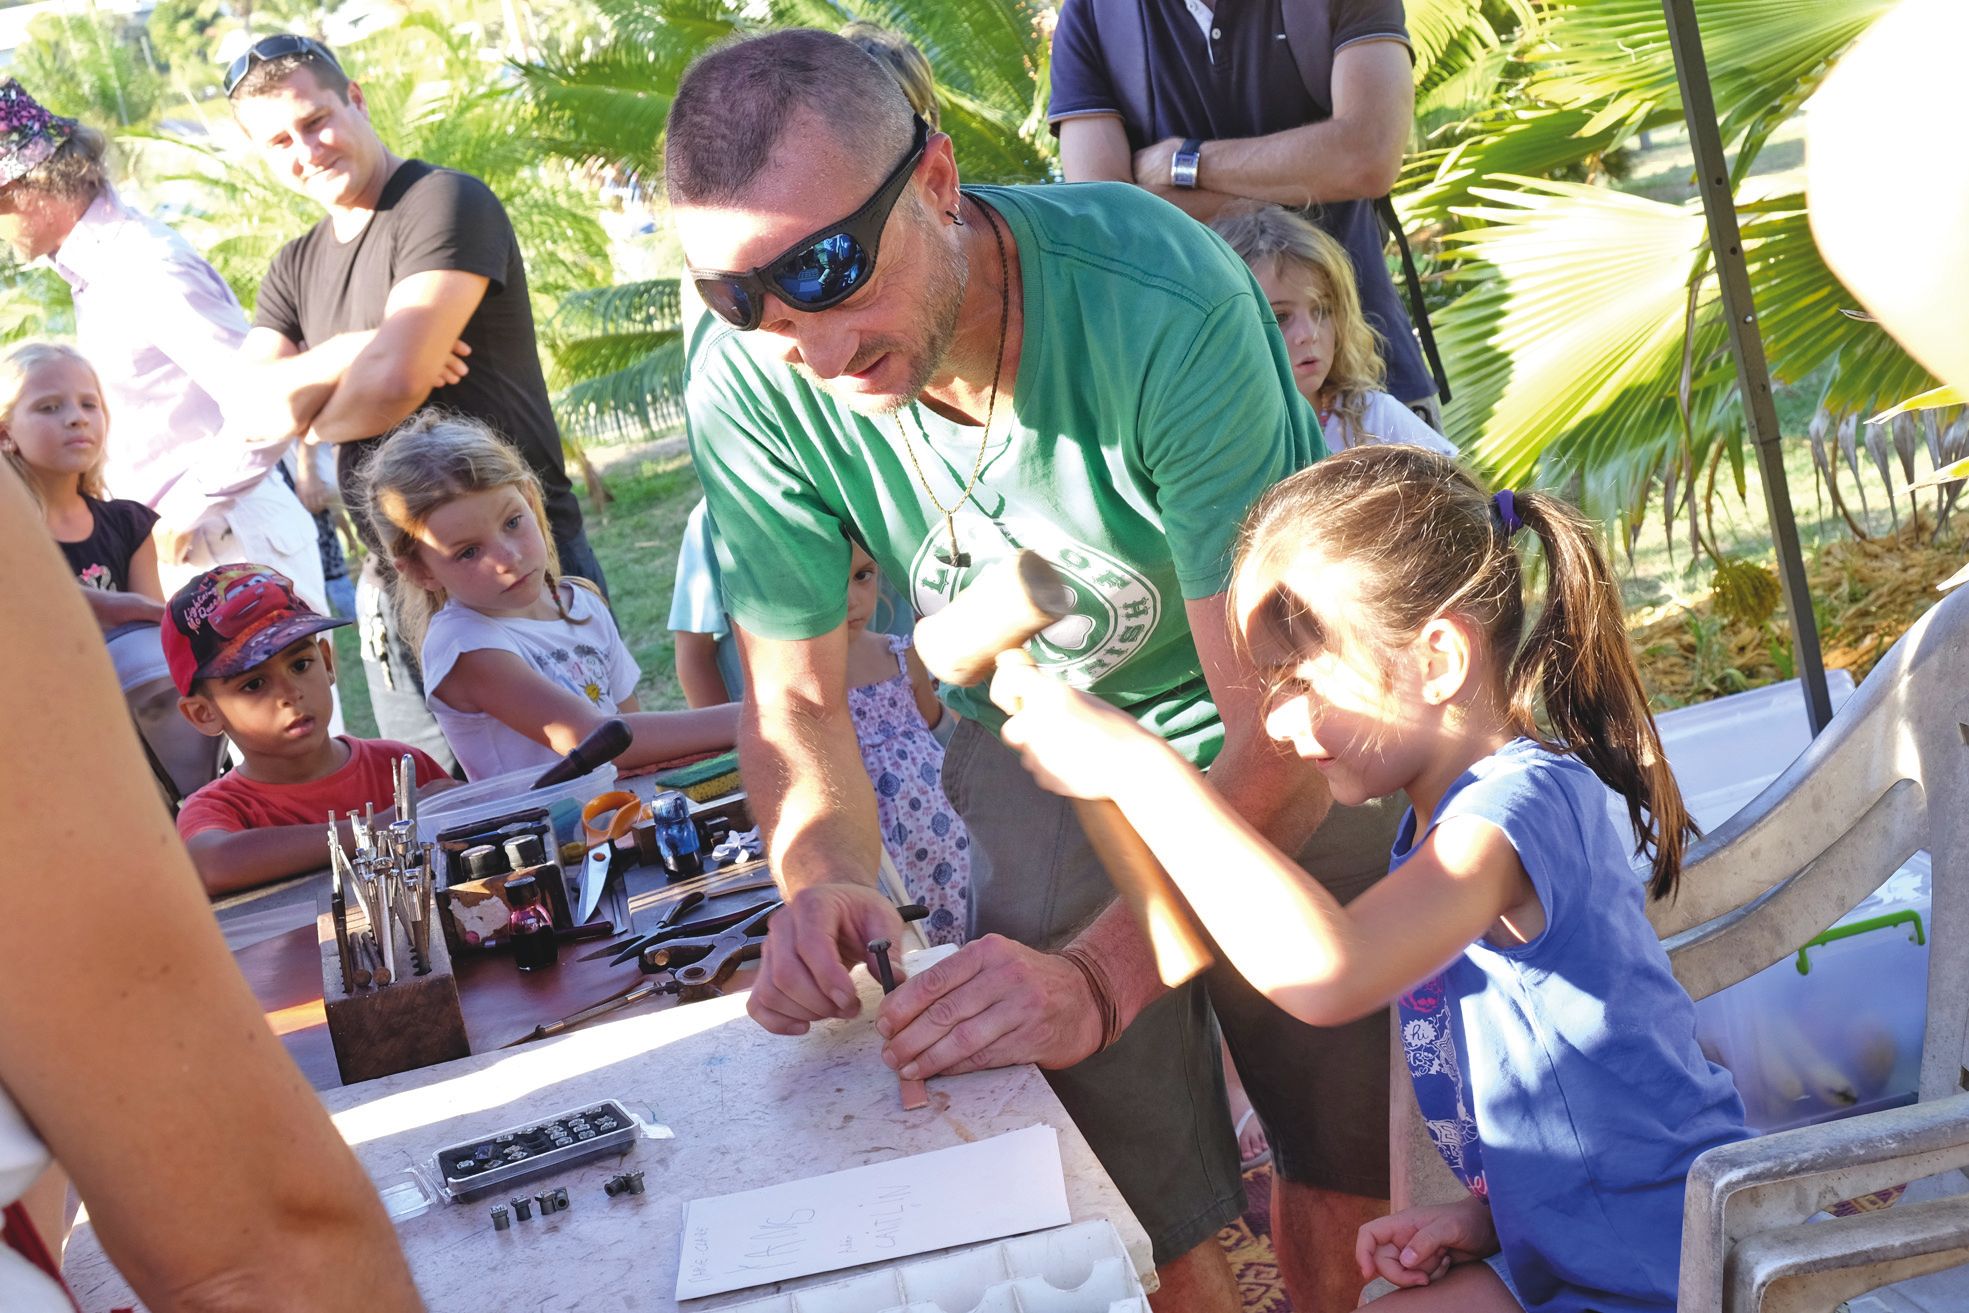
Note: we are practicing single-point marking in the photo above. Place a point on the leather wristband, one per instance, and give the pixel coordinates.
(1097, 986)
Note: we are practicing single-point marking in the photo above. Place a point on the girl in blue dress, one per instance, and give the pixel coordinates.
(1552, 1052)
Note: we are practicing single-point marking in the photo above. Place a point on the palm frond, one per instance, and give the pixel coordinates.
(1602, 71)
(1540, 354)
(617, 357)
(644, 393)
(1933, 399)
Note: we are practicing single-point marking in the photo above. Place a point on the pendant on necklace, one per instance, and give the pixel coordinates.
(956, 559)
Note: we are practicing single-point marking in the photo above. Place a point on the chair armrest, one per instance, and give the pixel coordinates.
(1755, 1185)
(1815, 1265)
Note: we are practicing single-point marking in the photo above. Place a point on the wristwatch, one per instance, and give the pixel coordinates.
(1182, 167)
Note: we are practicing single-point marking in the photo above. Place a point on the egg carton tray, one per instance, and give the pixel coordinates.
(1070, 1269)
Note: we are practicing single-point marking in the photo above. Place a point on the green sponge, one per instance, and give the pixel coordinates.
(702, 780)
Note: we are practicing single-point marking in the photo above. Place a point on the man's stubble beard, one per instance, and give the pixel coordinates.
(943, 300)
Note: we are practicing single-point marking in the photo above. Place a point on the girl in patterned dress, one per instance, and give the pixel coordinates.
(896, 714)
(1552, 1052)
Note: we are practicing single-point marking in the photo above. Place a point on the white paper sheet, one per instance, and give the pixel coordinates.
(1003, 1186)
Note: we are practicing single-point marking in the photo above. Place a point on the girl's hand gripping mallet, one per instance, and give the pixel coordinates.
(1004, 608)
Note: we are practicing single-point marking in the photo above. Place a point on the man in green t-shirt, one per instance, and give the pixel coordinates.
(946, 376)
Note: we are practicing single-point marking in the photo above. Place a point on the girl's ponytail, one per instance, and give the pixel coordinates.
(1577, 667)
(1435, 543)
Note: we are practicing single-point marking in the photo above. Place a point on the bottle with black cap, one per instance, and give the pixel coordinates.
(530, 926)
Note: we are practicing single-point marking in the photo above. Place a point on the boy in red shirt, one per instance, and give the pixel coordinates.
(245, 654)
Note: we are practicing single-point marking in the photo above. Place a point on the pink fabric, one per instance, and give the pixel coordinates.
(163, 332)
(925, 836)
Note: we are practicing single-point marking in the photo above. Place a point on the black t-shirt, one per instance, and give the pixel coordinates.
(102, 560)
(430, 219)
(1239, 81)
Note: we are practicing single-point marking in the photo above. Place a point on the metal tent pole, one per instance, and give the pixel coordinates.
(1747, 345)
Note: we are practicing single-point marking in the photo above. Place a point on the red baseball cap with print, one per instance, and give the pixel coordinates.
(230, 619)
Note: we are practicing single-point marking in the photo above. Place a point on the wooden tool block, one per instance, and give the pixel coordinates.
(381, 1030)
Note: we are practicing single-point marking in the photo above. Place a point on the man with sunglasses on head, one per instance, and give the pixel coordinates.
(944, 376)
(411, 290)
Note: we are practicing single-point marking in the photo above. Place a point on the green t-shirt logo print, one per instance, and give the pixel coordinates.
(1116, 606)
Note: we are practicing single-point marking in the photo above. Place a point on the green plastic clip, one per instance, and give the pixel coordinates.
(1907, 916)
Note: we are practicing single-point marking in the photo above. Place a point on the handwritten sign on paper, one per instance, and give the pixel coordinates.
(1003, 1186)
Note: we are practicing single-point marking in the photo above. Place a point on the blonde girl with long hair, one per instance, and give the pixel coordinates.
(54, 432)
(1337, 355)
(520, 663)
(1551, 1050)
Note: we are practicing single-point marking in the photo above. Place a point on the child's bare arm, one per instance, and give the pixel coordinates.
(111, 609)
(923, 688)
(231, 860)
(697, 669)
(1324, 963)
(502, 685)
(142, 573)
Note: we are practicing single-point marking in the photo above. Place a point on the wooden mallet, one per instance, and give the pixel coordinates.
(1009, 603)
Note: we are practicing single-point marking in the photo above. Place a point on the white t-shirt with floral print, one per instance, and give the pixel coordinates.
(584, 654)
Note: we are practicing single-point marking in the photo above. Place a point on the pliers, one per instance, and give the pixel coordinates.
(710, 960)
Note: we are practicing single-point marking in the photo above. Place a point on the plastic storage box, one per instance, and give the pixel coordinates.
(1081, 1268)
(499, 794)
(1836, 1028)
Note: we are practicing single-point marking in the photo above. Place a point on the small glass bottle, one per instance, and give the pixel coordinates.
(530, 926)
(676, 836)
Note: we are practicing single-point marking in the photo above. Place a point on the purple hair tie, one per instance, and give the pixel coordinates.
(1504, 508)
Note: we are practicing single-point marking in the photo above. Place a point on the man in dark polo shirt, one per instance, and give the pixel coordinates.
(411, 290)
(1135, 81)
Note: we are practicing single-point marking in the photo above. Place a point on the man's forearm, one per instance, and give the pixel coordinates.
(352, 417)
(283, 397)
(1315, 162)
(810, 796)
(1199, 203)
(375, 395)
(1124, 961)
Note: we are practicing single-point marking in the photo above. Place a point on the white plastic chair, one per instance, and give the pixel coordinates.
(1888, 778)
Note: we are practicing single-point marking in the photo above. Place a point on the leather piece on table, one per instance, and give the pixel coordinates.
(285, 976)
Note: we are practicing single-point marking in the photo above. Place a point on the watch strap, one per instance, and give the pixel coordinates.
(1183, 165)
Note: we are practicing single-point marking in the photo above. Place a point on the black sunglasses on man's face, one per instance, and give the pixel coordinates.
(275, 47)
(822, 269)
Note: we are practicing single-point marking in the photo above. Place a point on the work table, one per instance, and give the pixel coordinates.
(746, 1108)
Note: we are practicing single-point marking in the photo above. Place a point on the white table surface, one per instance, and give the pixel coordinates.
(747, 1109)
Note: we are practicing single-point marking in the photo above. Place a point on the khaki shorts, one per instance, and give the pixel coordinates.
(1153, 1106)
